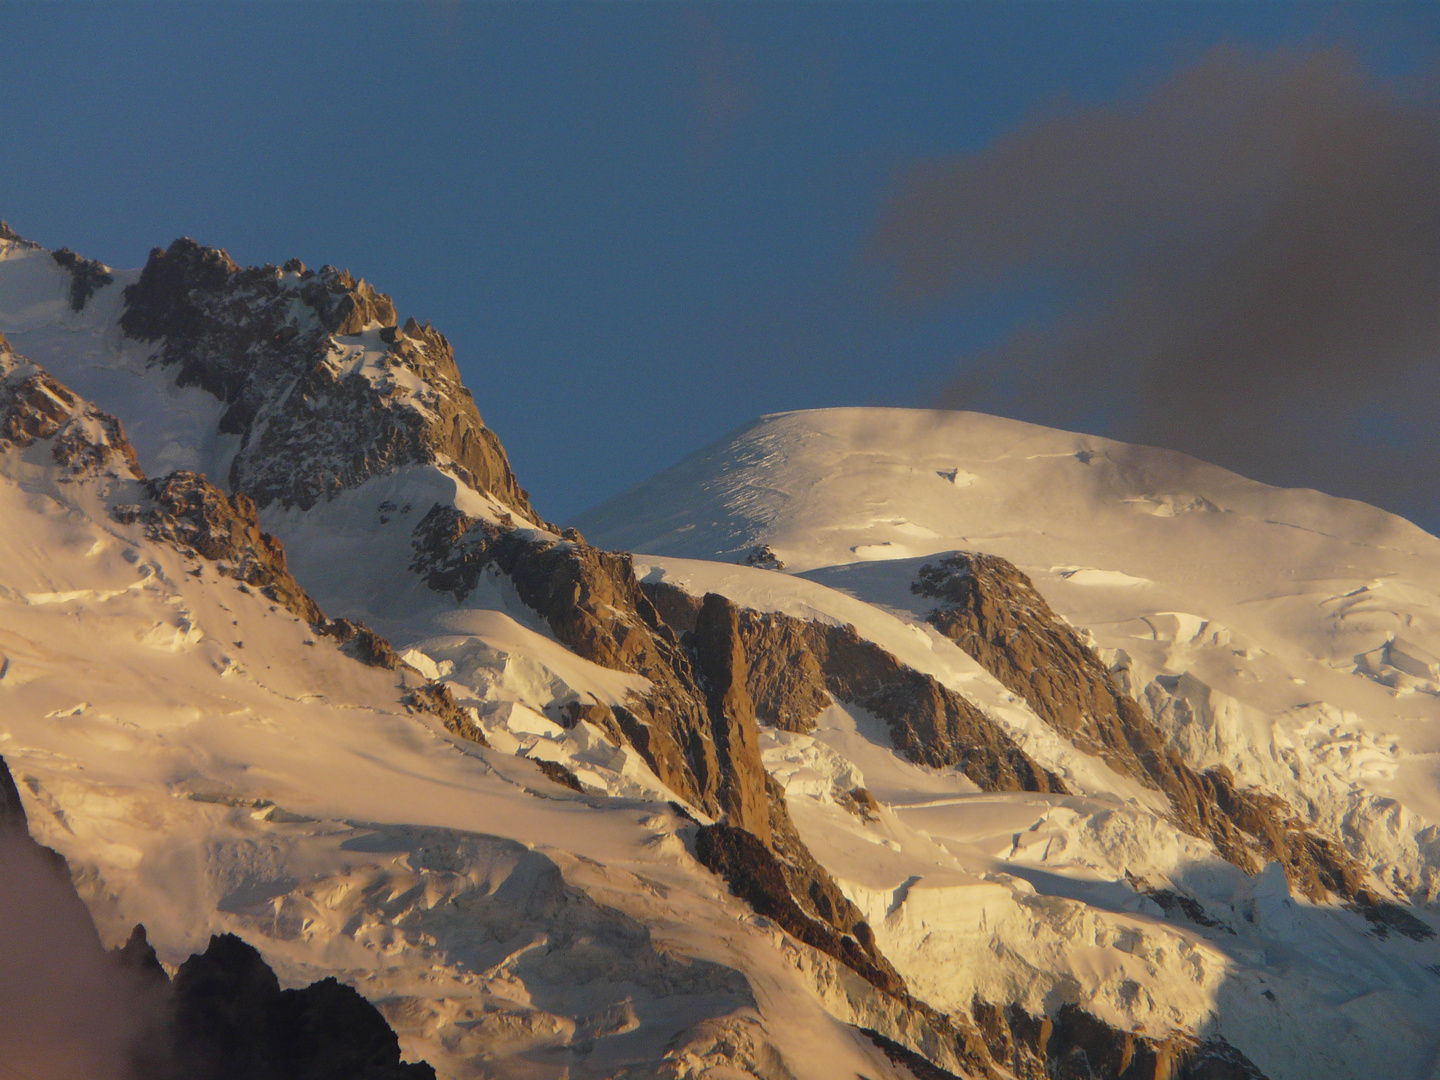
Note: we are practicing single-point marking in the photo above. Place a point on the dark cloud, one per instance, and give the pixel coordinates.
(1247, 262)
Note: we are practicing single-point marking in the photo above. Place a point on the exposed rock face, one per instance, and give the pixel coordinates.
(794, 666)
(191, 514)
(596, 608)
(1076, 1045)
(318, 409)
(754, 874)
(695, 726)
(87, 276)
(10, 237)
(785, 677)
(34, 407)
(719, 656)
(993, 611)
(764, 557)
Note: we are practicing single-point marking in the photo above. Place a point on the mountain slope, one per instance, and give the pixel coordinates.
(210, 762)
(775, 830)
(1285, 635)
(1278, 635)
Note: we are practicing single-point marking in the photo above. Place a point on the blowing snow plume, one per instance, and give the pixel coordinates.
(1250, 261)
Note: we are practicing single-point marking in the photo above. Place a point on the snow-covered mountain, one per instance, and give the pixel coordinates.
(337, 688)
(1287, 637)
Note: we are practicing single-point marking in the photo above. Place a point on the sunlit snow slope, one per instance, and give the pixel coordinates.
(1288, 635)
(207, 763)
(1306, 628)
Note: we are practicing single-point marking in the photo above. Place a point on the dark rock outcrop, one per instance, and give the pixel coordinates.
(231, 1021)
(191, 514)
(34, 407)
(764, 557)
(87, 276)
(1076, 1045)
(753, 874)
(992, 610)
(261, 340)
(10, 236)
(559, 774)
(795, 665)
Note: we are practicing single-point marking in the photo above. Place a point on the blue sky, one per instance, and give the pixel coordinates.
(640, 225)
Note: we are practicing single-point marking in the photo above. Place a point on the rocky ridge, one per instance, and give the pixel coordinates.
(34, 407)
(187, 512)
(794, 666)
(695, 726)
(992, 610)
(322, 387)
(716, 671)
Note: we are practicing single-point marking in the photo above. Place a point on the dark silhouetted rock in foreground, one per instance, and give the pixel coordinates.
(223, 1018)
(231, 1021)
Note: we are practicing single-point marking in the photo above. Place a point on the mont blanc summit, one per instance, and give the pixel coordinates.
(883, 743)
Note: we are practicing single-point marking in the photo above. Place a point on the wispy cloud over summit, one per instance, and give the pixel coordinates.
(1248, 261)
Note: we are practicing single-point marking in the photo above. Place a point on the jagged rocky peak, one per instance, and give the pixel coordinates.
(34, 407)
(322, 387)
(10, 238)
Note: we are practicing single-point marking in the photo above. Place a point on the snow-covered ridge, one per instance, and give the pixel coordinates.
(1251, 621)
(1280, 633)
